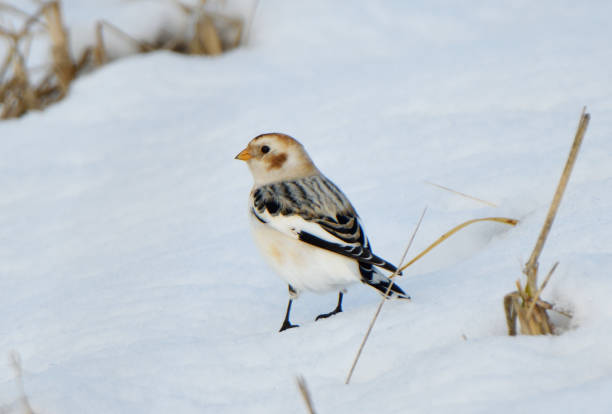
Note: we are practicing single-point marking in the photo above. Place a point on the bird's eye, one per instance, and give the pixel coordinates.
(265, 149)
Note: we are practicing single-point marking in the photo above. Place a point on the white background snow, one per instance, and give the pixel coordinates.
(129, 282)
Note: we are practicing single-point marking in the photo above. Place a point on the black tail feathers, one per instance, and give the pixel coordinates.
(372, 277)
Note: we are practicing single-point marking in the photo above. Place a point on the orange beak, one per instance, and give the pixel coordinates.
(244, 155)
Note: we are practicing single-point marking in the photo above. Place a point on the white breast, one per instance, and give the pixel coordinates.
(301, 265)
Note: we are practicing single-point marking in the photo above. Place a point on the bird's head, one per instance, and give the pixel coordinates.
(276, 157)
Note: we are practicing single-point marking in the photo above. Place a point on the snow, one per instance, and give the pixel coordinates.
(128, 278)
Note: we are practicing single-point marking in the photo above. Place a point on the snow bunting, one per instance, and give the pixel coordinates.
(305, 226)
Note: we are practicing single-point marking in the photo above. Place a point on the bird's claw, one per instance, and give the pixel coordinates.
(327, 315)
(287, 325)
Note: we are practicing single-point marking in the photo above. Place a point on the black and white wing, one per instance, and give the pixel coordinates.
(315, 211)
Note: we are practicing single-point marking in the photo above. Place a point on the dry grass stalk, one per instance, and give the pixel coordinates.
(303, 387)
(206, 40)
(532, 264)
(249, 23)
(18, 93)
(380, 305)
(462, 194)
(140, 45)
(504, 220)
(536, 298)
(30, 21)
(23, 399)
(402, 267)
(99, 51)
(239, 27)
(13, 9)
(63, 64)
(531, 319)
(525, 304)
(6, 62)
(212, 34)
(230, 30)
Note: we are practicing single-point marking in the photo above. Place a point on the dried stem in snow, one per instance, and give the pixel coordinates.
(365, 338)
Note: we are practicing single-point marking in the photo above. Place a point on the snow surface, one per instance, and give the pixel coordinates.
(129, 281)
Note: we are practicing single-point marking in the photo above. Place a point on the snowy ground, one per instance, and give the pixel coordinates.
(128, 278)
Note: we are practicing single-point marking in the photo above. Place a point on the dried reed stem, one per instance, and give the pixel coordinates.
(462, 194)
(13, 9)
(380, 305)
(16, 363)
(505, 220)
(536, 297)
(142, 46)
(184, 7)
(525, 304)
(31, 19)
(303, 387)
(510, 312)
(99, 51)
(18, 95)
(62, 61)
(6, 62)
(239, 26)
(249, 23)
(206, 41)
(531, 267)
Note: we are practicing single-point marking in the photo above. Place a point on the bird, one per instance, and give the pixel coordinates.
(305, 227)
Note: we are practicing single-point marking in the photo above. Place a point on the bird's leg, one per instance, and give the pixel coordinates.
(337, 310)
(286, 323)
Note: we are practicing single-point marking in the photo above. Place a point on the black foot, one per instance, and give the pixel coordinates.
(287, 325)
(327, 315)
(337, 310)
